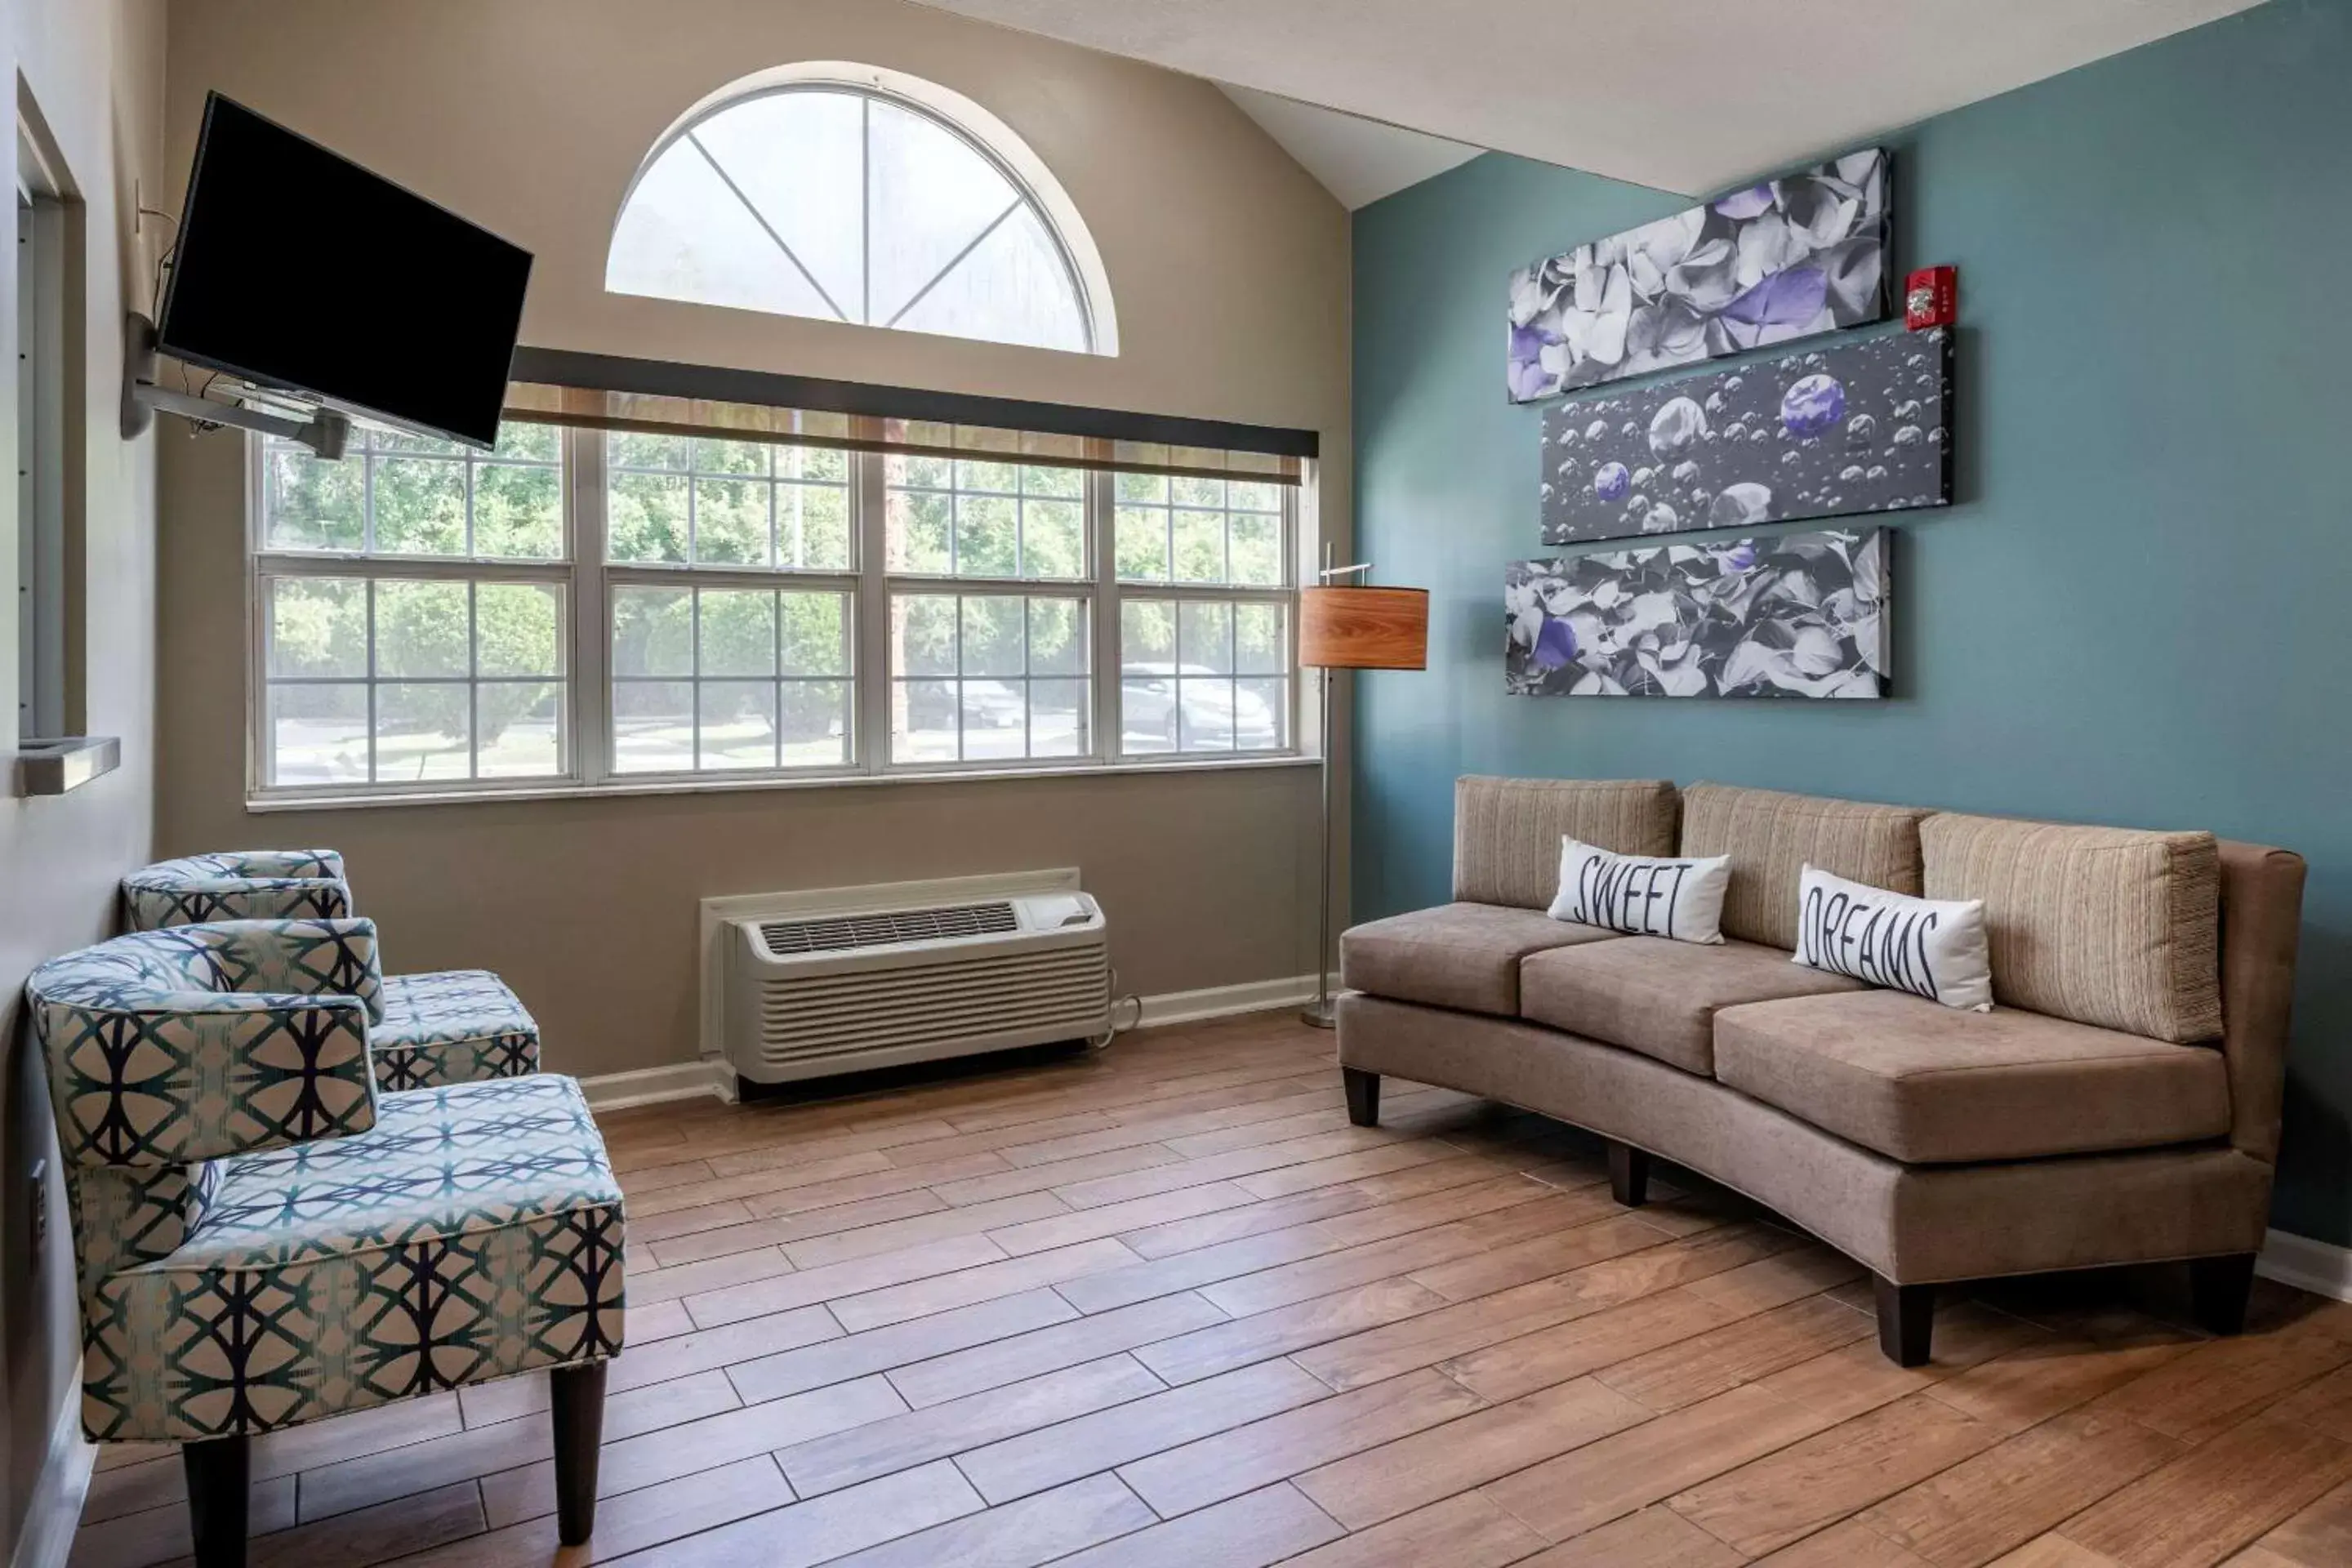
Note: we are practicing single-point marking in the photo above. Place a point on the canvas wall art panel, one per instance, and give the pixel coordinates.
(1859, 425)
(1793, 614)
(1789, 258)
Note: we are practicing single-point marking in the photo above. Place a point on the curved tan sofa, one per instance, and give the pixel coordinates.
(2120, 1105)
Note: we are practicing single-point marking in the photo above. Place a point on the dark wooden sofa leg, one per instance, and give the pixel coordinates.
(577, 1394)
(1363, 1096)
(1906, 1321)
(2218, 1289)
(220, 1477)
(1629, 1173)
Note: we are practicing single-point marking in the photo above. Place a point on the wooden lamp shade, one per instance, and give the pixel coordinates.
(1363, 629)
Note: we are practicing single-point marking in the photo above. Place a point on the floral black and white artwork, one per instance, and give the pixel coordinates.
(1789, 258)
(1861, 425)
(1794, 614)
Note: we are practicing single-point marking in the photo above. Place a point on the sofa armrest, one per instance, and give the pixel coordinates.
(2262, 921)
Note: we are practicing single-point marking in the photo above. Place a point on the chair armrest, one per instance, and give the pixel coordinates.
(301, 958)
(261, 884)
(169, 1077)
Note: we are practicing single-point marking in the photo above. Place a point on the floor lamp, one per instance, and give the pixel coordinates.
(1351, 626)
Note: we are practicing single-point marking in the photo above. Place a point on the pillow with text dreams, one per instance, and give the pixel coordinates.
(1934, 948)
(1641, 895)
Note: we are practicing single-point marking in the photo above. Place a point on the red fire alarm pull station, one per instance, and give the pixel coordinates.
(1932, 297)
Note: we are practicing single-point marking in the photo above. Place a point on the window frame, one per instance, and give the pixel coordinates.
(970, 122)
(264, 567)
(587, 580)
(48, 225)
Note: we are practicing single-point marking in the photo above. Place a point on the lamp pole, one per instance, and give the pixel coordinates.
(1350, 626)
(1319, 1012)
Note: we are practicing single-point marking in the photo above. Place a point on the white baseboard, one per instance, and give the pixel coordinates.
(2319, 1267)
(692, 1080)
(56, 1510)
(1224, 1001)
(652, 1086)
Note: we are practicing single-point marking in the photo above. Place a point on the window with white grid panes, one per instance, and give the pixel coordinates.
(823, 596)
(414, 612)
(702, 501)
(1203, 675)
(989, 676)
(713, 678)
(407, 681)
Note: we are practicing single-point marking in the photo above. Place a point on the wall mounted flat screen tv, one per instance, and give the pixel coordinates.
(298, 271)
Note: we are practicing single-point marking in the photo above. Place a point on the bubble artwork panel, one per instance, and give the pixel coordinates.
(1775, 262)
(1790, 615)
(1863, 425)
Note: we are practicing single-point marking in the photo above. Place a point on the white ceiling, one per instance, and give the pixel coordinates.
(1359, 161)
(1686, 95)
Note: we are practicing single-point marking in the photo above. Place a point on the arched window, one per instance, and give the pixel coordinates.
(852, 194)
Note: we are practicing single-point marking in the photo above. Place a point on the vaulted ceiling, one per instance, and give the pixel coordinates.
(1689, 96)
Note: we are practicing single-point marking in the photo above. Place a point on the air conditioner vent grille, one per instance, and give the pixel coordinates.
(848, 933)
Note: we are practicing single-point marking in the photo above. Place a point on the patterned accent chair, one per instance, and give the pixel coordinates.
(239, 885)
(265, 1237)
(461, 1026)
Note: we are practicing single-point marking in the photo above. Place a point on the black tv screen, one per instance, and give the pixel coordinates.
(302, 271)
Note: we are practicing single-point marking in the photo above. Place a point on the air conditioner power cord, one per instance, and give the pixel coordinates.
(1117, 1001)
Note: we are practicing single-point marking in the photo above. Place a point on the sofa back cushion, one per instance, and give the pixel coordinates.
(2109, 926)
(1506, 832)
(1771, 838)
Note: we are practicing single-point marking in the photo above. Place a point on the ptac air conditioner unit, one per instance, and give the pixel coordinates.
(837, 993)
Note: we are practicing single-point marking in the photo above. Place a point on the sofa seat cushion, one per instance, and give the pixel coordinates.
(1931, 1085)
(1456, 956)
(456, 1025)
(1660, 997)
(474, 1232)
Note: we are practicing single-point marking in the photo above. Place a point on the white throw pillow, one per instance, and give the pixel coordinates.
(1933, 947)
(1641, 895)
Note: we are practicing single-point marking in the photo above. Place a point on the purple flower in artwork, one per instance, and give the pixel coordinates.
(1789, 299)
(1528, 377)
(1740, 557)
(1742, 205)
(1555, 645)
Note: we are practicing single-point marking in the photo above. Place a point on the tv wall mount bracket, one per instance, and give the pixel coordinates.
(325, 433)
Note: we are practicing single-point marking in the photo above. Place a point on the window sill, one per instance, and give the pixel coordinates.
(56, 767)
(270, 805)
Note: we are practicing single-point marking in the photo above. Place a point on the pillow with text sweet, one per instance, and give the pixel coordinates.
(1641, 895)
(1935, 948)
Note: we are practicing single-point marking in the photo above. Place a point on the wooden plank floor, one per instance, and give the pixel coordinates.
(1164, 1306)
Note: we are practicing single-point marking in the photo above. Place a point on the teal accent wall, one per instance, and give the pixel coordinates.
(2140, 610)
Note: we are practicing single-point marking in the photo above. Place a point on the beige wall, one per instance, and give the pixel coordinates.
(93, 70)
(1229, 267)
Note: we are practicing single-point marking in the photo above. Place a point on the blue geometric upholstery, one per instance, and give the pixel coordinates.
(457, 1025)
(461, 1026)
(262, 1236)
(169, 1046)
(239, 885)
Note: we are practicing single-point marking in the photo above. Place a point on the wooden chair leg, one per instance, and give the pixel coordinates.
(2218, 1290)
(1906, 1321)
(1363, 1096)
(220, 1475)
(1629, 1173)
(577, 1394)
